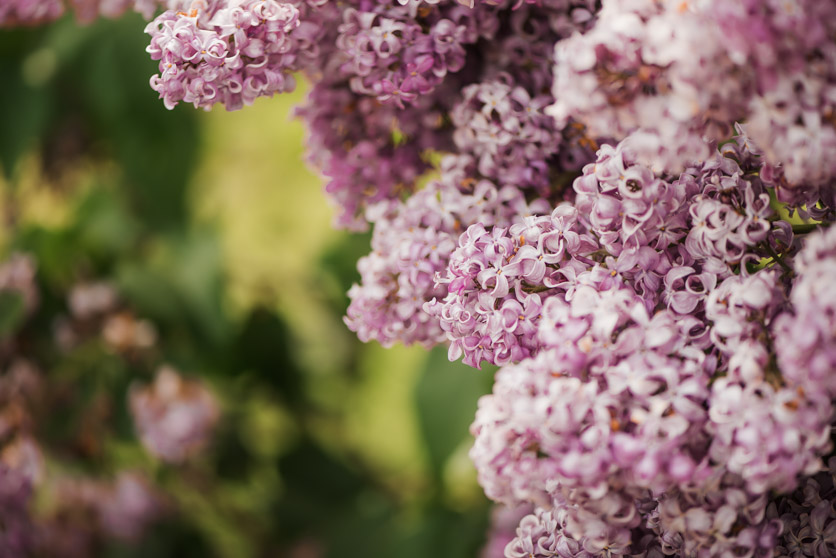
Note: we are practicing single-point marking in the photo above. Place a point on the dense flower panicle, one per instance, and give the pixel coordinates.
(675, 240)
(766, 427)
(657, 70)
(789, 45)
(174, 417)
(768, 435)
(86, 510)
(14, 13)
(805, 339)
(666, 334)
(505, 129)
(720, 520)
(497, 280)
(35, 12)
(676, 75)
(368, 152)
(808, 516)
(637, 420)
(393, 57)
(17, 536)
(540, 535)
(128, 506)
(228, 53)
(412, 242)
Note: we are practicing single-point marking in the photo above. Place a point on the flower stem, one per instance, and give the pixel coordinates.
(776, 258)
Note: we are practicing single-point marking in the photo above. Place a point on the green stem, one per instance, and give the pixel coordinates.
(776, 258)
(535, 288)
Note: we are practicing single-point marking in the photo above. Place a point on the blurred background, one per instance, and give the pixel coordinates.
(175, 376)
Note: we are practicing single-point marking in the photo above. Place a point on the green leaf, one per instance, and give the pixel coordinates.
(446, 397)
(12, 312)
(24, 115)
(264, 347)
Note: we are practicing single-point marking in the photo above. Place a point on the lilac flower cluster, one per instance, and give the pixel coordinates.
(631, 215)
(807, 351)
(49, 511)
(370, 153)
(229, 54)
(413, 242)
(652, 401)
(395, 57)
(506, 131)
(656, 69)
(16, 539)
(677, 73)
(635, 296)
(174, 416)
(15, 13)
(389, 85)
(29, 12)
(496, 281)
(808, 516)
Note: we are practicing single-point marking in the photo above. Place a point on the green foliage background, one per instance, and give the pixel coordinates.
(212, 227)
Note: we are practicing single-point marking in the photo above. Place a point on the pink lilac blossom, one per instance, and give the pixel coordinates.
(497, 280)
(789, 45)
(393, 57)
(584, 417)
(806, 336)
(174, 417)
(368, 153)
(656, 70)
(677, 74)
(666, 334)
(230, 53)
(412, 242)
(615, 398)
(17, 536)
(505, 129)
(540, 535)
(36, 12)
(719, 520)
(808, 516)
(14, 13)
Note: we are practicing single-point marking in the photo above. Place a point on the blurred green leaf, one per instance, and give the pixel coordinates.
(443, 533)
(57, 252)
(105, 227)
(446, 397)
(172, 538)
(27, 107)
(180, 285)
(339, 263)
(12, 312)
(264, 347)
(317, 486)
(157, 148)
